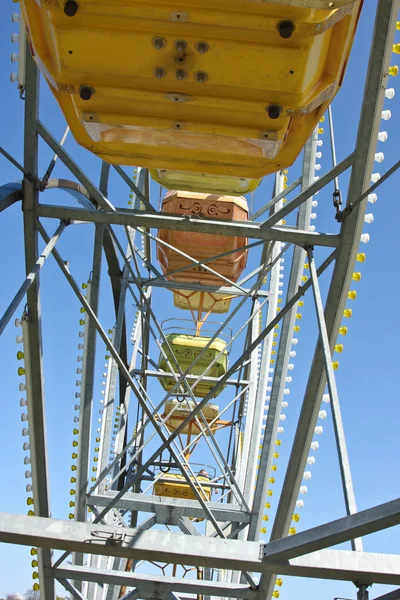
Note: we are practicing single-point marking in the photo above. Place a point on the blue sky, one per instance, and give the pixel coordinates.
(367, 380)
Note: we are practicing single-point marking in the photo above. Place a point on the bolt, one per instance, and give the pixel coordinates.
(71, 8)
(201, 76)
(180, 45)
(201, 47)
(274, 111)
(159, 42)
(286, 29)
(159, 72)
(86, 92)
(181, 74)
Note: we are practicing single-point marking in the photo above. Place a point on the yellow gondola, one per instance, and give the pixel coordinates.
(185, 348)
(182, 410)
(205, 302)
(173, 485)
(224, 87)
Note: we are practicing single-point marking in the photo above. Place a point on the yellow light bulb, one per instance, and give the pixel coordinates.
(335, 365)
(271, 362)
(322, 119)
(398, 25)
(72, 492)
(21, 371)
(72, 504)
(93, 479)
(84, 286)
(276, 594)
(278, 442)
(396, 48)
(339, 348)
(74, 443)
(296, 517)
(73, 480)
(393, 70)
(33, 552)
(347, 312)
(271, 480)
(267, 505)
(74, 467)
(283, 222)
(320, 130)
(96, 458)
(265, 518)
(279, 581)
(306, 266)
(285, 179)
(20, 355)
(71, 516)
(300, 303)
(278, 309)
(97, 439)
(75, 431)
(270, 493)
(273, 351)
(299, 316)
(263, 530)
(36, 587)
(343, 330)
(279, 300)
(34, 563)
(276, 326)
(274, 468)
(31, 513)
(82, 309)
(292, 530)
(276, 454)
(275, 335)
(352, 295)
(296, 328)
(35, 575)
(107, 356)
(81, 321)
(361, 257)
(29, 501)
(304, 278)
(94, 469)
(356, 276)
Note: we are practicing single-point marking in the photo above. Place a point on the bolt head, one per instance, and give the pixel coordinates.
(71, 8)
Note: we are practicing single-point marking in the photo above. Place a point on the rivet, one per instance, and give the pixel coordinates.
(201, 76)
(273, 111)
(159, 72)
(71, 8)
(180, 45)
(201, 47)
(86, 92)
(159, 42)
(181, 74)
(286, 29)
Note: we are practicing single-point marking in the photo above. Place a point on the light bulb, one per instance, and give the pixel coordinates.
(369, 218)
(280, 430)
(303, 489)
(28, 474)
(347, 313)
(379, 157)
(339, 348)
(312, 228)
(282, 417)
(390, 93)
(307, 475)
(27, 460)
(382, 136)
(24, 417)
(326, 398)
(19, 339)
(365, 237)
(320, 143)
(386, 115)
(26, 446)
(319, 430)
(375, 177)
(372, 198)
(361, 257)
(289, 380)
(14, 38)
(317, 167)
(314, 203)
(295, 341)
(322, 414)
(313, 216)
(335, 365)
(299, 503)
(311, 460)
(290, 367)
(80, 358)
(318, 154)
(285, 404)
(314, 445)
(77, 395)
(293, 353)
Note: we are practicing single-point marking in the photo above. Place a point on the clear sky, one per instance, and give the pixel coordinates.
(367, 380)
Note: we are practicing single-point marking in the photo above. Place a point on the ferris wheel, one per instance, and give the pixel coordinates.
(199, 294)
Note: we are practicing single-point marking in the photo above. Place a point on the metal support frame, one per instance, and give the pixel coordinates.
(231, 530)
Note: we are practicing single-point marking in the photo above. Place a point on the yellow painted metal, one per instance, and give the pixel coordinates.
(194, 87)
(177, 487)
(185, 348)
(182, 410)
(206, 302)
(204, 182)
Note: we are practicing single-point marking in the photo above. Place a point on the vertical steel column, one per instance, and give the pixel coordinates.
(33, 326)
(283, 355)
(362, 593)
(344, 462)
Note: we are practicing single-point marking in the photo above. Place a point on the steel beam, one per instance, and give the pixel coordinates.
(32, 323)
(189, 223)
(177, 548)
(157, 586)
(395, 595)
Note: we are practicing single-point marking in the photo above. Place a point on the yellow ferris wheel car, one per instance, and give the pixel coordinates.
(223, 87)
